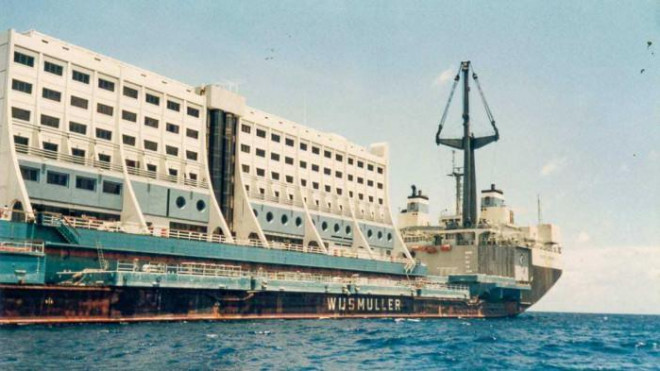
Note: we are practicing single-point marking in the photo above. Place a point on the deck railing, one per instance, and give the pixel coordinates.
(22, 247)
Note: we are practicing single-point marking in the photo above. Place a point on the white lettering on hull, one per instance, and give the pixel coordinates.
(363, 304)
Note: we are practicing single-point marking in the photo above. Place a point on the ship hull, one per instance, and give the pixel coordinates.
(60, 304)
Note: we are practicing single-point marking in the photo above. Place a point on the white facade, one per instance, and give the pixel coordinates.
(87, 134)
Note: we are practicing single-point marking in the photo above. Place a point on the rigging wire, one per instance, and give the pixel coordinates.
(444, 114)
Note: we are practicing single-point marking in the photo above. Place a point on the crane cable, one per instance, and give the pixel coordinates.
(483, 99)
(444, 114)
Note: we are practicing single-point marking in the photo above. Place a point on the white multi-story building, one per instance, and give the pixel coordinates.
(90, 137)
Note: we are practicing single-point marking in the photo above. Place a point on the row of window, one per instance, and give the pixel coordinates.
(303, 165)
(284, 220)
(79, 128)
(84, 78)
(246, 128)
(62, 179)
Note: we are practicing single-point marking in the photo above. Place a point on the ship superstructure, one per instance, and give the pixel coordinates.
(131, 196)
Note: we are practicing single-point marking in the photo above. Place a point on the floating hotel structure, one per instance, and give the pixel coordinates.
(131, 196)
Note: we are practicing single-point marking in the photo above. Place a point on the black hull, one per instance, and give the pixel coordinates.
(61, 304)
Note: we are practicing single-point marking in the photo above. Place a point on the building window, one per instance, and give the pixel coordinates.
(289, 142)
(303, 182)
(261, 133)
(194, 112)
(79, 102)
(174, 106)
(380, 185)
(171, 150)
(360, 164)
(339, 191)
(172, 128)
(245, 148)
(128, 116)
(24, 59)
(275, 176)
(180, 202)
(103, 134)
(327, 154)
(315, 168)
(104, 158)
(20, 114)
(315, 185)
(80, 77)
(380, 170)
(380, 201)
(56, 178)
(151, 122)
(360, 180)
(274, 156)
(192, 133)
(51, 121)
(53, 68)
(350, 177)
(288, 160)
(350, 161)
(190, 155)
(371, 198)
(173, 172)
(24, 87)
(370, 167)
(246, 128)
(128, 140)
(328, 188)
(106, 85)
(246, 169)
(30, 173)
(261, 172)
(275, 138)
(75, 127)
(151, 146)
(260, 152)
(79, 154)
(360, 196)
(152, 99)
(88, 184)
(201, 205)
(370, 183)
(316, 150)
(103, 109)
(112, 188)
(338, 174)
(289, 179)
(152, 168)
(303, 146)
(192, 176)
(303, 165)
(130, 92)
(327, 171)
(51, 94)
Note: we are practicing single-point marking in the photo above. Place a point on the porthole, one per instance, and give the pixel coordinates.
(324, 226)
(369, 233)
(380, 235)
(298, 221)
(256, 213)
(201, 205)
(389, 236)
(269, 217)
(180, 202)
(337, 227)
(284, 219)
(348, 230)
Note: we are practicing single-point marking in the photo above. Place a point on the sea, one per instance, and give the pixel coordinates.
(532, 341)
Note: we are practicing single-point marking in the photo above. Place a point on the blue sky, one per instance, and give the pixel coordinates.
(579, 122)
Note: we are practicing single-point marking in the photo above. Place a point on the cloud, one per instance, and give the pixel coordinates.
(621, 279)
(552, 166)
(443, 77)
(583, 237)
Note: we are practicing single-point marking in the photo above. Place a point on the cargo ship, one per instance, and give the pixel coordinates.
(128, 196)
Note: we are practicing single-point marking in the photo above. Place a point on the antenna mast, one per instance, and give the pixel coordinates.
(456, 174)
(538, 206)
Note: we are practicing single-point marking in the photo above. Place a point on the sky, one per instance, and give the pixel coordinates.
(579, 120)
